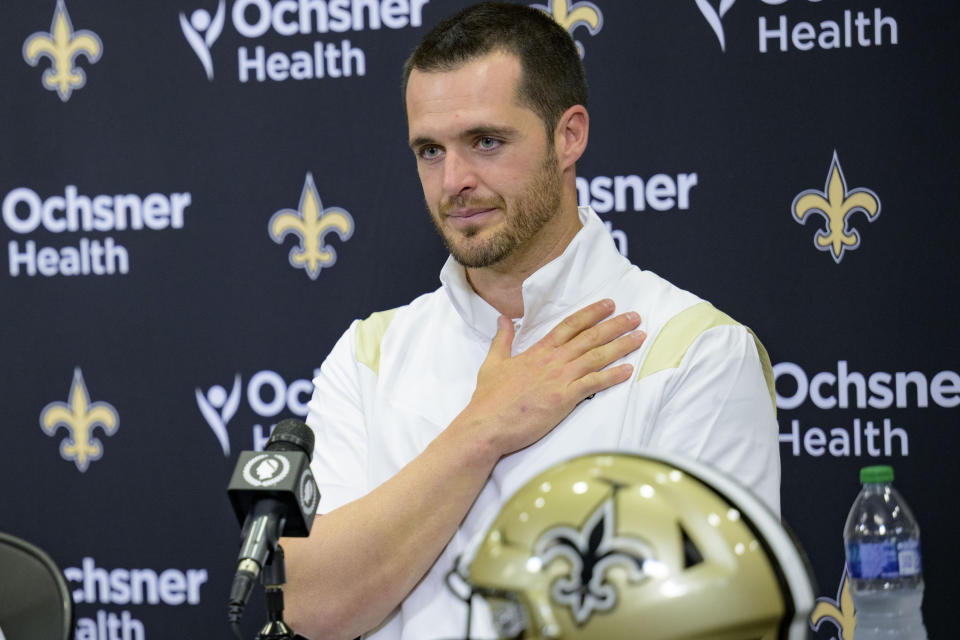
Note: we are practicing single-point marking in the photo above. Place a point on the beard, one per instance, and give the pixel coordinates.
(532, 210)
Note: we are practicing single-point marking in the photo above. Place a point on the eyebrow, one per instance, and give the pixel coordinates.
(473, 132)
(420, 141)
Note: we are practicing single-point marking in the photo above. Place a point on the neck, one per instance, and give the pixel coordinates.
(501, 284)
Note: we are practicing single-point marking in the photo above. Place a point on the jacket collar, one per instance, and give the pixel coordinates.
(570, 281)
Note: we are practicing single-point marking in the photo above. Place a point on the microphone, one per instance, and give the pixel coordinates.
(273, 494)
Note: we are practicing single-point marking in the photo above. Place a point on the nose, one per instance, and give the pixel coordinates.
(459, 176)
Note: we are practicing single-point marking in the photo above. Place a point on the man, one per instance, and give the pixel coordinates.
(429, 416)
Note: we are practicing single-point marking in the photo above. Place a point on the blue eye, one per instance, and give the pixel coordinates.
(487, 143)
(429, 152)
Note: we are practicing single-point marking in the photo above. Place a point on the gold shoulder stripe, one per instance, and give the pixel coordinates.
(767, 367)
(674, 340)
(369, 334)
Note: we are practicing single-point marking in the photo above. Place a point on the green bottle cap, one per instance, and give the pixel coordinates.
(880, 473)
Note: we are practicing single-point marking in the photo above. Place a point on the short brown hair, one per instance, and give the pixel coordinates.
(552, 80)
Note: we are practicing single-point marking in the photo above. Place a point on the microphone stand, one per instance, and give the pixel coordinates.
(273, 576)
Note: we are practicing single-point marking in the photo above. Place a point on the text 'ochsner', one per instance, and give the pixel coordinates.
(836, 393)
(95, 587)
(26, 213)
(321, 58)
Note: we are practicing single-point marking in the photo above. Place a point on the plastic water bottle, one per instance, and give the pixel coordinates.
(882, 541)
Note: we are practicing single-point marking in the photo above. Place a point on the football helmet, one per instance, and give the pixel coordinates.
(620, 546)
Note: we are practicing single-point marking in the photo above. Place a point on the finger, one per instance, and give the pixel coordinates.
(601, 334)
(502, 341)
(574, 324)
(598, 381)
(606, 354)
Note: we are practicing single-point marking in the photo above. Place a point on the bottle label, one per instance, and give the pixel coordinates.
(886, 559)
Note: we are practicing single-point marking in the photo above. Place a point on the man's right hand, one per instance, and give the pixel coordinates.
(363, 559)
(519, 399)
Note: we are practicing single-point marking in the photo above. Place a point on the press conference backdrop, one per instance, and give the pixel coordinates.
(198, 196)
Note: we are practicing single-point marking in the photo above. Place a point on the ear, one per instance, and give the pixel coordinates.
(570, 136)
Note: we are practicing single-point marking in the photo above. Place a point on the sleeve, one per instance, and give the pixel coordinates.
(718, 407)
(336, 415)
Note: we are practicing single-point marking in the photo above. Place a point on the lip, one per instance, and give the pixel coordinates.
(466, 214)
(462, 218)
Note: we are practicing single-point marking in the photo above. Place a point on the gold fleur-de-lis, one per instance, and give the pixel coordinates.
(62, 45)
(311, 223)
(843, 616)
(80, 417)
(836, 204)
(578, 14)
(591, 552)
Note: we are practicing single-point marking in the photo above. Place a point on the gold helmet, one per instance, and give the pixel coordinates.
(620, 546)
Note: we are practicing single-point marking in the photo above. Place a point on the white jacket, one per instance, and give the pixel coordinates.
(702, 388)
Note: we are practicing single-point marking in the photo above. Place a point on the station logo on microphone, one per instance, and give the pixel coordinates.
(266, 470)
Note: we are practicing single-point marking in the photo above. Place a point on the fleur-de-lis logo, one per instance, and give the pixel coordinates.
(836, 204)
(839, 612)
(572, 15)
(311, 224)
(61, 45)
(591, 551)
(80, 417)
(714, 18)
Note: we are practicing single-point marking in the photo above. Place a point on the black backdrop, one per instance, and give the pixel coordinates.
(186, 338)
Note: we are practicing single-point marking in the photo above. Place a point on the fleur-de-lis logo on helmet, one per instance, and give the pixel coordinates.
(80, 417)
(839, 612)
(836, 204)
(591, 551)
(572, 15)
(311, 223)
(621, 546)
(61, 45)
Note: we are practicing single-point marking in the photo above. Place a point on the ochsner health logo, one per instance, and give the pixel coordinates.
(268, 395)
(218, 408)
(806, 25)
(201, 31)
(307, 24)
(714, 17)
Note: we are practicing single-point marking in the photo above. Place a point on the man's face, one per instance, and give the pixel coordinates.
(489, 172)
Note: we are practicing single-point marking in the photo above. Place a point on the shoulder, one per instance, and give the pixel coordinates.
(683, 328)
(371, 333)
(675, 335)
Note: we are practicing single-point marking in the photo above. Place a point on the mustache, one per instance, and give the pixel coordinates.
(469, 202)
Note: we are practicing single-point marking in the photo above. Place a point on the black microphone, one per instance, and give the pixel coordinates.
(273, 494)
